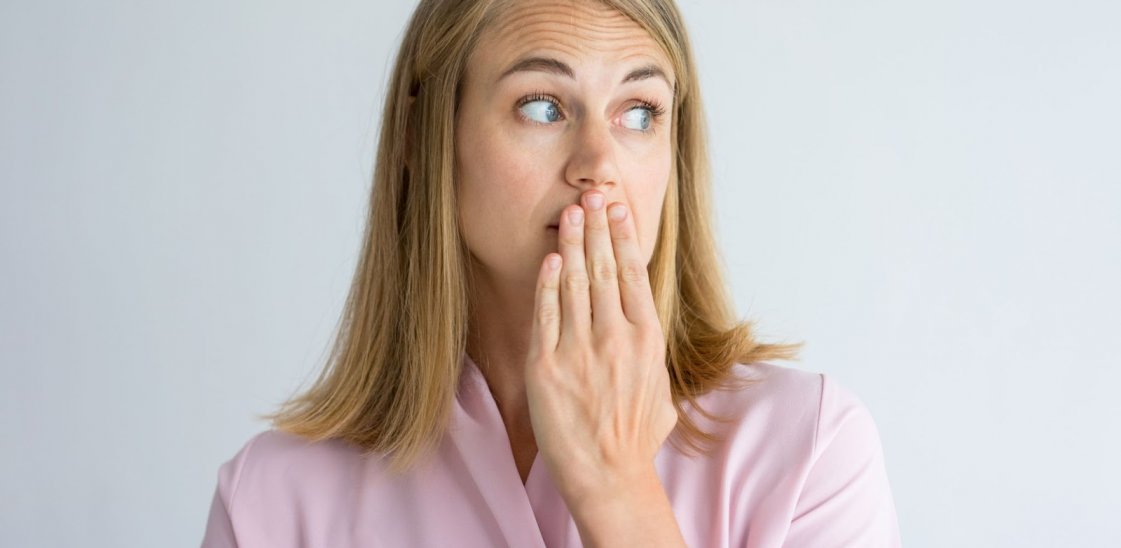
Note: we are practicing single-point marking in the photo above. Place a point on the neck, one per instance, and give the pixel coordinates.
(498, 342)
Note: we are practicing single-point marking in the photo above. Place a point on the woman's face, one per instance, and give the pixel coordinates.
(559, 98)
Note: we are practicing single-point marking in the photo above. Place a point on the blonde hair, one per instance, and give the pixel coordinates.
(389, 383)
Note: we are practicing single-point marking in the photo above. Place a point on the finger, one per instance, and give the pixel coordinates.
(601, 267)
(575, 303)
(634, 280)
(547, 309)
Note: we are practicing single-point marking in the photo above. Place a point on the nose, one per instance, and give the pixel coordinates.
(591, 162)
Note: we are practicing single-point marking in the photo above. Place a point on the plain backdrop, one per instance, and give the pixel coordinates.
(926, 192)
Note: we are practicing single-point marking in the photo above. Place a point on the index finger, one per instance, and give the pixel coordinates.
(546, 308)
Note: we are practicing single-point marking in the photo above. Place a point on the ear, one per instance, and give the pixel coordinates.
(409, 146)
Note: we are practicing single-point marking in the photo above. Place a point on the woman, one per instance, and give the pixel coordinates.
(539, 296)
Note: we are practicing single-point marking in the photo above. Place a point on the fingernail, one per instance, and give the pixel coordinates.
(575, 216)
(617, 213)
(595, 201)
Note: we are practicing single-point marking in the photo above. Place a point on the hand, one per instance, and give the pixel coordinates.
(598, 390)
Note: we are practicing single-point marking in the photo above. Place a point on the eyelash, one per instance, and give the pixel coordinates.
(655, 108)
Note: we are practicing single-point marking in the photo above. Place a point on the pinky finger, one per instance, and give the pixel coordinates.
(546, 308)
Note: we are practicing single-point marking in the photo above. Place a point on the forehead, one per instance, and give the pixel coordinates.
(572, 29)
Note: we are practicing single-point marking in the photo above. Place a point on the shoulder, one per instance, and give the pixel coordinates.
(274, 465)
(818, 436)
(280, 489)
(789, 410)
(776, 388)
(815, 441)
(768, 392)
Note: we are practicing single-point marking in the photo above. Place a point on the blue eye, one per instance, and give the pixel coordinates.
(540, 110)
(639, 115)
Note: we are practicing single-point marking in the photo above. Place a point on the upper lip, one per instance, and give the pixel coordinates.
(556, 220)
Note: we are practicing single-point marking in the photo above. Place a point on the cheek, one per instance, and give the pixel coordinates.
(495, 193)
(647, 199)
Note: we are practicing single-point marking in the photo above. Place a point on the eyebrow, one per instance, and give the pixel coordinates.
(558, 67)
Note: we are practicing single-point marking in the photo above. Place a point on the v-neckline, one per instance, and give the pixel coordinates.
(532, 466)
(475, 376)
(487, 452)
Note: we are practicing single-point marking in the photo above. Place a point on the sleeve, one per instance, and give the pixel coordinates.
(220, 531)
(846, 500)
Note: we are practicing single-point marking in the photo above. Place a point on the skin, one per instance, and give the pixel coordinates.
(574, 355)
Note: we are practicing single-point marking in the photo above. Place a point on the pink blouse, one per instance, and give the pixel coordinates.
(801, 467)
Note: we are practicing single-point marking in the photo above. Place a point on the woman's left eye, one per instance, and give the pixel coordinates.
(641, 117)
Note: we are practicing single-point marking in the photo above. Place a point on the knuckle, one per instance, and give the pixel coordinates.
(547, 284)
(621, 233)
(538, 355)
(574, 341)
(576, 281)
(572, 240)
(544, 366)
(633, 273)
(548, 314)
(607, 343)
(602, 269)
(650, 337)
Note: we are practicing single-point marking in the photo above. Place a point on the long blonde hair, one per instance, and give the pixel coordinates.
(389, 383)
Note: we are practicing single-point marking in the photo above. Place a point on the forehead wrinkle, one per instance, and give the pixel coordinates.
(568, 32)
(544, 28)
(577, 14)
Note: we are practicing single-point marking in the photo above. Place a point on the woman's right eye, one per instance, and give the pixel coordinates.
(540, 111)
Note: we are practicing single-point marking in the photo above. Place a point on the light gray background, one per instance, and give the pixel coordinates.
(928, 193)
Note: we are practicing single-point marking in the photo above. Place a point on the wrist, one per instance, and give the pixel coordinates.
(632, 511)
(610, 491)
